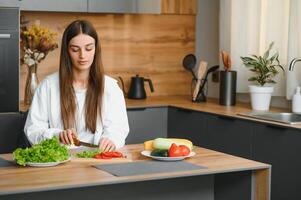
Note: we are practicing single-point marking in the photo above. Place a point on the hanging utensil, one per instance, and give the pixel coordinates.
(189, 62)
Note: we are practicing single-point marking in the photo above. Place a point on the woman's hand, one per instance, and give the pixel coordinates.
(106, 144)
(66, 137)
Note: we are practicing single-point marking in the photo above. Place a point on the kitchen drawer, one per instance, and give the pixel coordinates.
(9, 131)
(229, 135)
(183, 123)
(9, 19)
(281, 148)
(146, 124)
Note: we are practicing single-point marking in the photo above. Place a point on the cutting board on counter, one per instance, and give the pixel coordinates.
(98, 161)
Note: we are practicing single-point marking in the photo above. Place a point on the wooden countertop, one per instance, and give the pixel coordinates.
(211, 106)
(80, 173)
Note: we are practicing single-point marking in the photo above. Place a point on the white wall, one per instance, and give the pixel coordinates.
(207, 46)
(207, 38)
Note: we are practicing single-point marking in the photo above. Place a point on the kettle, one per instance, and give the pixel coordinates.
(137, 90)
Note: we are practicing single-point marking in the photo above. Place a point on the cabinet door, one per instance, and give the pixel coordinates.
(9, 131)
(54, 5)
(9, 20)
(146, 124)
(281, 148)
(230, 135)
(112, 6)
(183, 123)
(9, 60)
(9, 3)
(125, 6)
(22, 141)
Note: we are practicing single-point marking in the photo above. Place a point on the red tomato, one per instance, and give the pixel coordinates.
(185, 151)
(105, 157)
(109, 155)
(174, 151)
(97, 156)
(114, 154)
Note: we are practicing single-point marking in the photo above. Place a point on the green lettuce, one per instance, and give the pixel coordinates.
(49, 150)
(88, 154)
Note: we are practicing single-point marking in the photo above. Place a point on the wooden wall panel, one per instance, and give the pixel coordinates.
(179, 7)
(152, 46)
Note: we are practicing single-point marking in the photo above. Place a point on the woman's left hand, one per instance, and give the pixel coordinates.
(106, 144)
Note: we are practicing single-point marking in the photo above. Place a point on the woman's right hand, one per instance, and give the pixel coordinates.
(66, 137)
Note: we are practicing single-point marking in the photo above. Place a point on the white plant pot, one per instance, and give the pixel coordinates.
(260, 97)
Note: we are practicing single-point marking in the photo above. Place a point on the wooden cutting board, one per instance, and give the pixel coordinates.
(200, 74)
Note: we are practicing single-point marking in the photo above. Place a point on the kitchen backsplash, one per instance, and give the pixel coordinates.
(150, 45)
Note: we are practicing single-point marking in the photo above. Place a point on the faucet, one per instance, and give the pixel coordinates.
(292, 64)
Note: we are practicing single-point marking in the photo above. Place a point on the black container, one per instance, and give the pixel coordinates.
(227, 89)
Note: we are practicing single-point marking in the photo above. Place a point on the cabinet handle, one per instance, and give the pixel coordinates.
(136, 109)
(4, 36)
(184, 110)
(226, 118)
(274, 126)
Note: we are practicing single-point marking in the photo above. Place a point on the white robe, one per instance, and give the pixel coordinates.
(44, 117)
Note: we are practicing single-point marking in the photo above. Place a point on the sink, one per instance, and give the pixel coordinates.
(286, 118)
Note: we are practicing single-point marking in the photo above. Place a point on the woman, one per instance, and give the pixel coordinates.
(80, 100)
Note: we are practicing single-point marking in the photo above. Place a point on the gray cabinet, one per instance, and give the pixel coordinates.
(229, 135)
(47, 5)
(220, 133)
(183, 123)
(9, 131)
(9, 3)
(93, 6)
(9, 60)
(266, 143)
(54, 5)
(281, 148)
(146, 124)
(124, 6)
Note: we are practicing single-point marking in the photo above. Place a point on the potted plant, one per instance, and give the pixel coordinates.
(264, 68)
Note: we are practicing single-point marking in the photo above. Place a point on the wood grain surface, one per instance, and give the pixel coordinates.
(77, 173)
(152, 46)
(211, 106)
(179, 6)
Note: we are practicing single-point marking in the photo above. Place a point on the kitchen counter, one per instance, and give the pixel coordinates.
(211, 106)
(77, 176)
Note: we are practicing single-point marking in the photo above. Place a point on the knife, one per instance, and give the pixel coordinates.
(80, 143)
(77, 142)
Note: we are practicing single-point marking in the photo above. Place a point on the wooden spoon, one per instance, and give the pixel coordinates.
(226, 60)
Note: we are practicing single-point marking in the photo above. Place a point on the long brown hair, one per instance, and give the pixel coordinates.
(95, 88)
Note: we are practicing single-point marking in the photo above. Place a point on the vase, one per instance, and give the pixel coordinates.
(31, 83)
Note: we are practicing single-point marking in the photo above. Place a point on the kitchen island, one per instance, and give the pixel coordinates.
(221, 178)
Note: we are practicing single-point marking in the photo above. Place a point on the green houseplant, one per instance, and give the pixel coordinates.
(264, 69)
